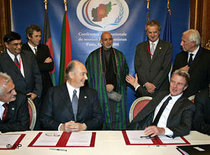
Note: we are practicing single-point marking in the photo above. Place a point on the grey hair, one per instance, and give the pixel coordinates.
(4, 80)
(194, 35)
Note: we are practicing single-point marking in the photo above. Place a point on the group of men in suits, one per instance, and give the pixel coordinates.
(153, 61)
(75, 107)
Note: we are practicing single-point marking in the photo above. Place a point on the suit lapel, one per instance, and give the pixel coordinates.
(158, 49)
(10, 63)
(81, 101)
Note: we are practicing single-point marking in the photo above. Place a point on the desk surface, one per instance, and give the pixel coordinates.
(107, 143)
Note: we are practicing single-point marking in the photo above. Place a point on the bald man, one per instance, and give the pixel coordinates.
(71, 106)
(107, 69)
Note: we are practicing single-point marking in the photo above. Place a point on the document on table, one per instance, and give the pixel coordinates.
(79, 139)
(64, 139)
(137, 137)
(168, 140)
(49, 139)
(10, 141)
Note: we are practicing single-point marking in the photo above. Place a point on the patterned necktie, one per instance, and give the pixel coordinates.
(162, 108)
(6, 109)
(152, 50)
(16, 61)
(190, 59)
(75, 104)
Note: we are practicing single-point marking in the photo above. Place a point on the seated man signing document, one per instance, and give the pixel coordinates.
(167, 113)
(72, 107)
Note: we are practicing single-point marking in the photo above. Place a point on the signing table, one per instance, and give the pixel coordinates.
(106, 142)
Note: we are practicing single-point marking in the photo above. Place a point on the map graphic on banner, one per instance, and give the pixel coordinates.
(103, 15)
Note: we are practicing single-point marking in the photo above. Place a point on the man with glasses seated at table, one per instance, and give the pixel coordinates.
(14, 114)
(167, 113)
(72, 107)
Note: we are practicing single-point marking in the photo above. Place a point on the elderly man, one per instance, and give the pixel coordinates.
(152, 63)
(72, 107)
(167, 113)
(14, 113)
(107, 69)
(195, 60)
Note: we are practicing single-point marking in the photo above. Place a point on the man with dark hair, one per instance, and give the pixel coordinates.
(195, 60)
(21, 66)
(14, 115)
(72, 107)
(107, 69)
(42, 54)
(201, 121)
(152, 63)
(167, 113)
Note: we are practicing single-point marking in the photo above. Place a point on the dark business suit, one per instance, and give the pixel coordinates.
(57, 108)
(32, 81)
(179, 120)
(153, 70)
(199, 70)
(201, 121)
(17, 117)
(42, 53)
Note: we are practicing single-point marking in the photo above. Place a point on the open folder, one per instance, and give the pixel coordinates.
(195, 149)
(137, 137)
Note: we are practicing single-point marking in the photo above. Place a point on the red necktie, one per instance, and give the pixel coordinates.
(5, 105)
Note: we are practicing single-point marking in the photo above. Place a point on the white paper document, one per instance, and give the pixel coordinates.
(168, 140)
(48, 139)
(7, 141)
(135, 137)
(79, 139)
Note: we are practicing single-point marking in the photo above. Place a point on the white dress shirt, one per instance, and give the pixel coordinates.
(164, 117)
(194, 54)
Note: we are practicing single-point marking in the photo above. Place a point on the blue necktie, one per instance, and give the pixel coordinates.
(75, 104)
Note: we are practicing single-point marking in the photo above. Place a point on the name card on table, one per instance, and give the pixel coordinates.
(137, 137)
(64, 139)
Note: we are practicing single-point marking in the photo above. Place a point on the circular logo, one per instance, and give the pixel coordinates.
(103, 15)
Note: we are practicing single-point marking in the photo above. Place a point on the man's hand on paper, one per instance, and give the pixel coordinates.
(154, 131)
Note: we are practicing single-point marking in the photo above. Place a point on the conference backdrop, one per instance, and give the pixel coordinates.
(125, 19)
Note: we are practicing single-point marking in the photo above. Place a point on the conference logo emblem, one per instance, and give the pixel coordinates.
(102, 15)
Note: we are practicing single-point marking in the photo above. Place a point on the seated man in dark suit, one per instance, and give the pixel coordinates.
(167, 113)
(72, 107)
(14, 115)
(201, 121)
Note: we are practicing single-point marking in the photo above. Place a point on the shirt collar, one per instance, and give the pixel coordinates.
(12, 56)
(71, 89)
(155, 42)
(194, 52)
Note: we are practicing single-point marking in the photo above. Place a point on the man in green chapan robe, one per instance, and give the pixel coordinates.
(107, 69)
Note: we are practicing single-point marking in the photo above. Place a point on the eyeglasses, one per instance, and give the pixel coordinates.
(16, 44)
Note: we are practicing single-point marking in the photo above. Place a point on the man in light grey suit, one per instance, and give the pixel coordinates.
(176, 116)
(152, 63)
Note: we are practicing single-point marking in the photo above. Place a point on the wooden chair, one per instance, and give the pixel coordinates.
(138, 105)
(32, 113)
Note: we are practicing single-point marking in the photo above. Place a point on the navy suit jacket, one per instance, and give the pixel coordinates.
(18, 115)
(32, 81)
(199, 70)
(41, 55)
(153, 70)
(57, 108)
(179, 120)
